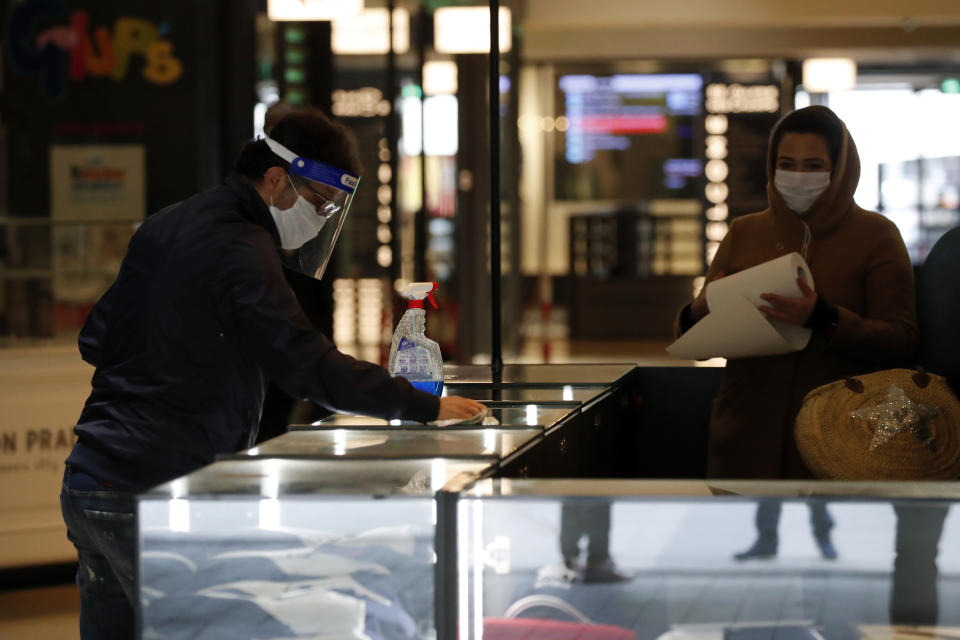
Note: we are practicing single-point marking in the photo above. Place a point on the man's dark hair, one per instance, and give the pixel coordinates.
(814, 119)
(308, 133)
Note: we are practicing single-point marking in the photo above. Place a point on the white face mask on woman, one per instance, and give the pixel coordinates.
(299, 224)
(800, 189)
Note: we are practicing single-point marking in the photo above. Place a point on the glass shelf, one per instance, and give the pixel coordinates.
(506, 414)
(394, 442)
(539, 374)
(522, 393)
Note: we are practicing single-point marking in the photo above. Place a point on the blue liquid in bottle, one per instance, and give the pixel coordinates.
(430, 386)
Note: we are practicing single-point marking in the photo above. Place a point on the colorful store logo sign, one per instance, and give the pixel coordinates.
(97, 182)
(72, 52)
(96, 177)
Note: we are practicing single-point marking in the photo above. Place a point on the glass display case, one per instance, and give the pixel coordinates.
(356, 528)
(539, 374)
(679, 560)
(294, 549)
(521, 393)
(394, 442)
(501, 414)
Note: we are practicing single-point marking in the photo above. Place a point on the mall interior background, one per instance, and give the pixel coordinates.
(625, 151)
(632, 133)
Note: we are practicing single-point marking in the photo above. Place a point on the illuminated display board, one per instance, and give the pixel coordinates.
(628, 136)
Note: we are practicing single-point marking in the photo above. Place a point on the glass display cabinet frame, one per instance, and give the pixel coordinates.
(675, 581)
(337, 482)
(279, 548)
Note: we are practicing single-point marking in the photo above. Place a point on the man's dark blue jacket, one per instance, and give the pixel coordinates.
(199, 318)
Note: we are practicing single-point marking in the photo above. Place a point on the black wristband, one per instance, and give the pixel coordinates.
(823, 317)
(686, 318)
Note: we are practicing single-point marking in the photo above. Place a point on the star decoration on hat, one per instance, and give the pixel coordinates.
(896, 414)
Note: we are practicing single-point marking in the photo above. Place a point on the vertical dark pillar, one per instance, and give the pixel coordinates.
(496, 347)
(445, 570)
(511, 195)
(320, 65)
(209, 61)
(791, 79)
(420, 222)
(472, 229)
(237, 73)
(393, 136)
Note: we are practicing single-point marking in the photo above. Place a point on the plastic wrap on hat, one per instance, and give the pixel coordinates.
(896, 414)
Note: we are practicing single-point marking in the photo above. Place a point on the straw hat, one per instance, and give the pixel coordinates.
(897, 424)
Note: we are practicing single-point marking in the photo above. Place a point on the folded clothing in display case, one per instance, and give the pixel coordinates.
(293, 549)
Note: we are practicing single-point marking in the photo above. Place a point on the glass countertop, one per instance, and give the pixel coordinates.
(277, 478)
(394, 443)
(750, 489)
(539, 374)
(521, 393)
(506, 414)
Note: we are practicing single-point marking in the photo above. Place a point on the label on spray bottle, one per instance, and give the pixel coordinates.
(413, 361)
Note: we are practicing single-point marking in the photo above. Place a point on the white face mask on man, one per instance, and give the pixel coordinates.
(299, 224)
(800, 189)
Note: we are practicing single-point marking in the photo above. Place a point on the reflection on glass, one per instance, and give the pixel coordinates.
(320, 558)
(438, 474)
(505, 415)
(513, 393)
(768, 530)
(531, 414)
(538, 374)
(489, 440)
(390, 442)
(270, 482)
(676, 577)
(179, 515)
(339, 442)
(178, 488)
(270, 514)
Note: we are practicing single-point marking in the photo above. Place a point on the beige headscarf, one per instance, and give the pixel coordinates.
(834, 203)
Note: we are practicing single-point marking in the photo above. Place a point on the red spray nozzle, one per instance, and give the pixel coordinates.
(417, 291)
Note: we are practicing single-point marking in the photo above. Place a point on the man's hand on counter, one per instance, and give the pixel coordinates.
(457, 408)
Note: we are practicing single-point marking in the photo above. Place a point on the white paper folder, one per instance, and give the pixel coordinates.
(735, 327)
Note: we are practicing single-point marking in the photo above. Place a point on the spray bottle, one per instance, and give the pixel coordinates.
(413, 355)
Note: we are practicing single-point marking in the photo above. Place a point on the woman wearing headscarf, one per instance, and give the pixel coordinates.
(862, 314)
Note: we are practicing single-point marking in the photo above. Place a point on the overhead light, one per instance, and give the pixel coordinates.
(368, 33)
(439, 77)
(467, 29)
(307, 10)
(822, 75)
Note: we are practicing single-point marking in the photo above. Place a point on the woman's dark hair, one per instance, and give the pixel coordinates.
(308, 133)
(814, 119)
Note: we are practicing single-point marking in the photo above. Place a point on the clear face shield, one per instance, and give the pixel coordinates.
(309, 230)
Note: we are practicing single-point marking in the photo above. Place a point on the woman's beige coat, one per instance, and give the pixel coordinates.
(859, 264)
